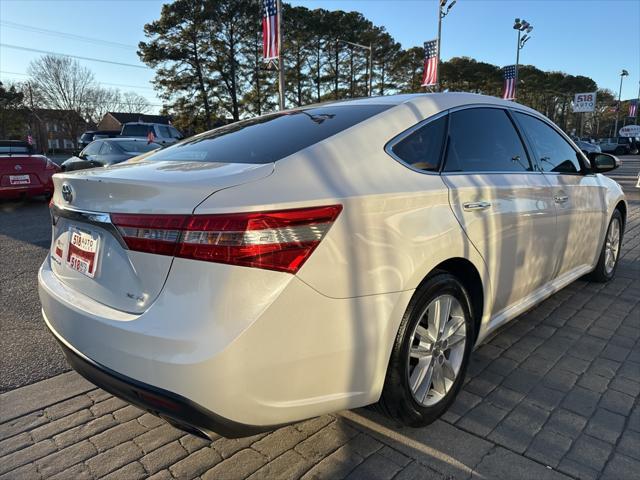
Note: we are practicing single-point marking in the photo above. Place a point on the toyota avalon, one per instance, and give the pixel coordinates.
(321, 258)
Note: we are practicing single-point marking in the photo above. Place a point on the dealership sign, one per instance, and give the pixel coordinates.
(630, 131)
(584, 102)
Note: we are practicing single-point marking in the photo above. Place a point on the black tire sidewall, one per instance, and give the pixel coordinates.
(397, 393)
(600, 272)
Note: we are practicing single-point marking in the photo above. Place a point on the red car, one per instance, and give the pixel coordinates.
(23, 173)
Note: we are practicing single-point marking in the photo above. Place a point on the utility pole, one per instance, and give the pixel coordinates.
(623, 74)
(520, 26)
(280, 60)
(442, 12)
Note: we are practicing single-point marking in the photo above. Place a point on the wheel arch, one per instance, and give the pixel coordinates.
(467, 273)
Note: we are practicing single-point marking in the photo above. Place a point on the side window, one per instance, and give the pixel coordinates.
(484, 140)
(93, 148)
(106, 149)
(164, 132)
(552, 151)
(422, 148)
(175, 133)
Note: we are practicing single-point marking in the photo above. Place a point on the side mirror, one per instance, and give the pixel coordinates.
(603, 162)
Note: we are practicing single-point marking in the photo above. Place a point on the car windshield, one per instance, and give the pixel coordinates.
(137, 147)
(135, 130)
(269, 138)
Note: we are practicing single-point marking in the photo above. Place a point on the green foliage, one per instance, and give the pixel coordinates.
(208, 60)
(12, 119)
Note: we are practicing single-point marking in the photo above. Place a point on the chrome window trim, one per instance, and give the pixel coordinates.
(99, 219)
(388, 148)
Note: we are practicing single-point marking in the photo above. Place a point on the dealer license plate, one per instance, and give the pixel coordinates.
(82, 254)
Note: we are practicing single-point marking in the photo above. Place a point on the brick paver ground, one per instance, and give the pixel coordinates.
(554, 395)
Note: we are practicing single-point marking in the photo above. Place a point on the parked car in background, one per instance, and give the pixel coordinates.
(619, 145)
(322, 258)
(162, 134)
(588, 147)
(24, 173)
(89, 136)
(102, 153)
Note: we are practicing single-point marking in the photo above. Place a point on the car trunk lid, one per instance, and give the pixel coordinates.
(87, 251)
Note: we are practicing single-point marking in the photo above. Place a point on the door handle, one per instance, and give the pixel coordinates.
(475, 206)
(561, 198)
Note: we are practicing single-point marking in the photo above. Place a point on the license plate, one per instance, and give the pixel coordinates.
(19, 179)
(82, 255)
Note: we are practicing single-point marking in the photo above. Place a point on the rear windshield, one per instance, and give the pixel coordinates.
(86, 137)
(269, 138)
(15, 149)
(137, 147)
(136, 130)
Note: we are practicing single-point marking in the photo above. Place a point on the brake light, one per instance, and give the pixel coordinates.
(277, 240)
(51, 166)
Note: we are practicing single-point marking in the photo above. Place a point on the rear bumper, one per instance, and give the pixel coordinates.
(253, 348)
(175, 409)
(25, 191)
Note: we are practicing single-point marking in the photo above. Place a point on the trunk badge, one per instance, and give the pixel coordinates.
(18, 167)
(67, 192)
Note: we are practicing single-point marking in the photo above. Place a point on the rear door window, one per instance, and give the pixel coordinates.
(422, 148)
(93, 148)
(484, 140)
(164, 132)
(269, 138)
(554, 154)
(135, 130)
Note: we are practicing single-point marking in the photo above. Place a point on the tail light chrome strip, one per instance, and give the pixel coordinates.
(99, 219)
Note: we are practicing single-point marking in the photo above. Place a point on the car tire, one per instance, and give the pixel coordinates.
(619, 151)
(605, 269)
(419, 389)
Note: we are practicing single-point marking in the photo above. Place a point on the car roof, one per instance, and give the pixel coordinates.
(434, 102)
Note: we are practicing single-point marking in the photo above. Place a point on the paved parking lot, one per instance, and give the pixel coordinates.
(556, 394)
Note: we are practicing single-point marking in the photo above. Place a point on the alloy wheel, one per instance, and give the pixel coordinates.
(612, 246)
(436, 350)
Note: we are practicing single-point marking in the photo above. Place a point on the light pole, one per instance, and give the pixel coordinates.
(370, 71)
(520, 26)
(623, 74)
(280, 60)
(443, 11)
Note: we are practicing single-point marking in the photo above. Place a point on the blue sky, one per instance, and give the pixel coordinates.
(596, 38)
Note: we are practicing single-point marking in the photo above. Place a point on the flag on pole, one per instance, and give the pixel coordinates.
(633, 108)
(270, 47)
(509, 90)
(430, 73)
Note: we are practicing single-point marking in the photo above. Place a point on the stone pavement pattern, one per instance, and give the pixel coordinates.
(556, 394)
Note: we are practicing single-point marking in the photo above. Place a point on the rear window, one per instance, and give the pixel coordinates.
(138, 147)
(15, 149)
(86, 137)
(269, 138)
(136, 130)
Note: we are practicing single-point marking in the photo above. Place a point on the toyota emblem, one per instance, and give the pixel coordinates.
(67, 192)
(18, 167)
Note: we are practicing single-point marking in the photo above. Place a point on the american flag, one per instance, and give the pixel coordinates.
(430, 75)
(633, 108)
(270, 47)
(509, 90)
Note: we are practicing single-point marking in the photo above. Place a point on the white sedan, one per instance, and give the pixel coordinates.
(322, 258)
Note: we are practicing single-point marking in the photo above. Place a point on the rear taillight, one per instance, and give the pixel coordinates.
(279, 240)
(51, 166)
